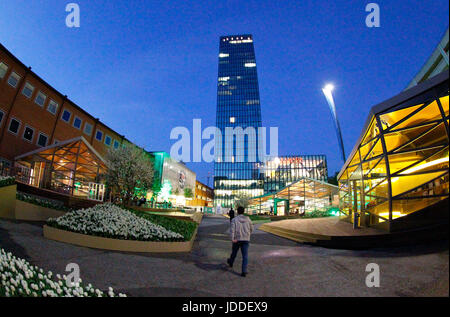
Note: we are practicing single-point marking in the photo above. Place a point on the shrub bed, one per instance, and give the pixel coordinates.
(257, 217)
(21, 279)
(41, 202)
(318, 214)
(182, 227)
(7, 181)
(111, 221)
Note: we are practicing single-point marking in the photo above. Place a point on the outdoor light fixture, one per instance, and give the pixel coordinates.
(328, 92)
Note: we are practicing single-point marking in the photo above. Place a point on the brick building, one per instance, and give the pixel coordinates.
(34, 115)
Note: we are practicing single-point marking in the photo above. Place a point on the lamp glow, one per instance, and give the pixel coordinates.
(327, 91)
(329, 87)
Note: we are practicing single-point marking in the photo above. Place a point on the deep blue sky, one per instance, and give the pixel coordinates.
(144, 67)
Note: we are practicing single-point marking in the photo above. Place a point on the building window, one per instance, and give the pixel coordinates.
(116, 143)
(40, 99)
(52, 107)
(3, 69)
(108, 140)
(99, 135)
(42, 140)
(66, 115)
(77, 123)
(2, 114)
(14, 126)
(28, 134)
(27, 91)
(13, 79)
(232, 120)
(88, 128)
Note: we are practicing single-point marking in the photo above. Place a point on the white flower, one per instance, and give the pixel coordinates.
(18, 278)
(114, 222)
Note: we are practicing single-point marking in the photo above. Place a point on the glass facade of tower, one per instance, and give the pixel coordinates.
(280, 172)
(238, 106)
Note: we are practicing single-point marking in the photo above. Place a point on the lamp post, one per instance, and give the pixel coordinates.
(328, 92)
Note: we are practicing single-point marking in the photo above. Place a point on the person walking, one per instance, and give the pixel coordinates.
(241, 230)
(231, 214)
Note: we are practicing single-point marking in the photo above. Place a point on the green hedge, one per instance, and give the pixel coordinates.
(257, 217)
(8, 181)
(183, 227)
(41, 202)
(318, 214)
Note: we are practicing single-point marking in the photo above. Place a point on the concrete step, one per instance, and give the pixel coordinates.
(292, 235)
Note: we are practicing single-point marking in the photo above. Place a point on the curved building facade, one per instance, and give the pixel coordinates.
(400, 164)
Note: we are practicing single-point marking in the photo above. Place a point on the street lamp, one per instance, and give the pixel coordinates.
(328, 92)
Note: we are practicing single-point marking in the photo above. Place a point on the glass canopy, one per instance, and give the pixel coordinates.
(72, 167)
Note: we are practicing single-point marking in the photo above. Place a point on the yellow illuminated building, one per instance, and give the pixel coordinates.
(400, 163)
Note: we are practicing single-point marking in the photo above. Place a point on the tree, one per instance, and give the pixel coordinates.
(333, 179)
(188, 193)
(130, 171)
(242, 201)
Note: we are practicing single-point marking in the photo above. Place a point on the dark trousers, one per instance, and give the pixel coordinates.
(243, 245)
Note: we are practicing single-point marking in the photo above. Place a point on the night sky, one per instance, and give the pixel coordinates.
(145, 67)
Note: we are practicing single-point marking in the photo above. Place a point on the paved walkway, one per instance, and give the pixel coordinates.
(278, 267)
(330, 226)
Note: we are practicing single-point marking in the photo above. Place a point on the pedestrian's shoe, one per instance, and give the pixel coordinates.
(229, 263)
(243, 274)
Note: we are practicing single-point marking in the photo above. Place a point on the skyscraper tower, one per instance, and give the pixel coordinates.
(238, 106)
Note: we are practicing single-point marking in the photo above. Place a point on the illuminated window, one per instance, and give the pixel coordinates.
(232, 120)
(77, 123)
(66, 115)
(40, 99)
(3, 69)
(13, 79)
(223, 55)
(224, 78)
(52, 107)
(27, 91)
(249, 65)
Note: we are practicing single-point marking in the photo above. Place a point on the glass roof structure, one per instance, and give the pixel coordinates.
(304, 195)
(71, 167)
(400, 163)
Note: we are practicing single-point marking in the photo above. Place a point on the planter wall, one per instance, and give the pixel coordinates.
(115, 244)
(30, 212)
(8, 201)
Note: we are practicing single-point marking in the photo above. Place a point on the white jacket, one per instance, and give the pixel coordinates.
(241, 228)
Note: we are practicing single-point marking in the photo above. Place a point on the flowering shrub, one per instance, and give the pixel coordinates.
(111, 221)
(7, 181)
(41, 202)
(21, 279)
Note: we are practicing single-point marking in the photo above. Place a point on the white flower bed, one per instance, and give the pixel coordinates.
(111, 221)
(21, 279)
(3, 178)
